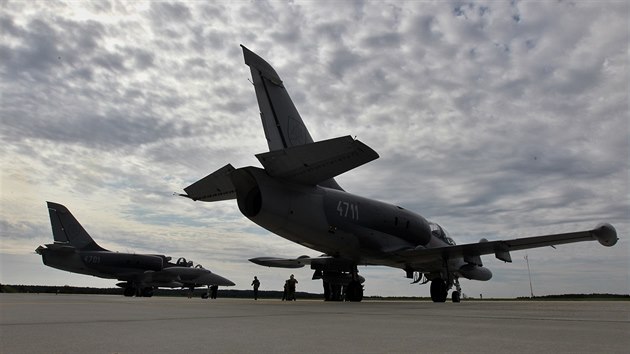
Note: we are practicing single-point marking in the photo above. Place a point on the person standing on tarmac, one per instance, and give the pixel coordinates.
(291, 288)
(256, 284)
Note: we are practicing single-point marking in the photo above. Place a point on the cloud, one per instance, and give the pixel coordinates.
(497, 120)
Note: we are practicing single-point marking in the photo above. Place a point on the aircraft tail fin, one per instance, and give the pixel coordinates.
(66, 229)
(281, 121)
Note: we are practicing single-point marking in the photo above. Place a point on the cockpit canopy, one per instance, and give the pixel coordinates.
(439, 232)
(183, 263)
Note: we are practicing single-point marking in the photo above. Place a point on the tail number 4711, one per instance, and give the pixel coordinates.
(348, 210)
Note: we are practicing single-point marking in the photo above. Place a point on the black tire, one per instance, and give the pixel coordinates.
(354, 291)
(129, 291)
(327, 296)
(456, 296)
(147, 292)
(438, 290)
(336, 292)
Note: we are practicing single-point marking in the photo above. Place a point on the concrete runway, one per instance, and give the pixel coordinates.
(31, 323)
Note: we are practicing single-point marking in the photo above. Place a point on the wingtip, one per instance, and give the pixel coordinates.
(606, 234)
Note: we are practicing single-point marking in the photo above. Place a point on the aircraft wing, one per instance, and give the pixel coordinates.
(604, 233)
(176, 276)
(317, 162)
(195, 276)
(214, 187)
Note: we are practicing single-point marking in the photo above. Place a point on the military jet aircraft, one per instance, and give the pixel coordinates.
(296, 196)
(75, 251)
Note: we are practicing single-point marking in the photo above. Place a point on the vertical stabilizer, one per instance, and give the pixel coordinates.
(66, 229)
(281, 121)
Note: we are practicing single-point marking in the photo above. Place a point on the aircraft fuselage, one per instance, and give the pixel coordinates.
(331, 221)
(103, 264)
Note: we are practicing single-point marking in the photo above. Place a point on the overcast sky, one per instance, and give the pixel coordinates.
(495, 119)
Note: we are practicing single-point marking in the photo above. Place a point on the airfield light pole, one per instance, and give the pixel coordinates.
(531, 290)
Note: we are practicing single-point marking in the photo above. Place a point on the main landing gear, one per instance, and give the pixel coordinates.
(138, 292)
(354, 291)
(340, 286)
(439, 290)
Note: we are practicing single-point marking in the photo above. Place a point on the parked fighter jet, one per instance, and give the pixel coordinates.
(295, 196)
(75, 251)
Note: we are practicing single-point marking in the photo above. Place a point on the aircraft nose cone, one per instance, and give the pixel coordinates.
(216, 279)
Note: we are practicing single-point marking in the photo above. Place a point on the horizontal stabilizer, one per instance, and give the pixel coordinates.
(316, 162)
(56, 247)
(214, 187)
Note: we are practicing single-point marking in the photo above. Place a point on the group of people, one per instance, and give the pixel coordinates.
(288, 294)
(289, 288)
(211, 293)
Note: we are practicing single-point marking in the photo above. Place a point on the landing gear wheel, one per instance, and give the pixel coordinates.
(147, 292)
(354, 291)
(336, 292)
(438, 290)
(332, 286)
(129, 291)
(456, 297)
(327, 296)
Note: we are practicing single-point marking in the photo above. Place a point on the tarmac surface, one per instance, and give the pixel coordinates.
(47, 323)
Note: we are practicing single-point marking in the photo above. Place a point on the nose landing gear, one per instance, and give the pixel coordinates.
(457, 293)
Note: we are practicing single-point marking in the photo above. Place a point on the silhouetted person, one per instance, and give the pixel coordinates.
(213, 291)
(291, 288)
(256, 284)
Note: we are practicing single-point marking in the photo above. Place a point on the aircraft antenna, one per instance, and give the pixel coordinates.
(531, 290)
